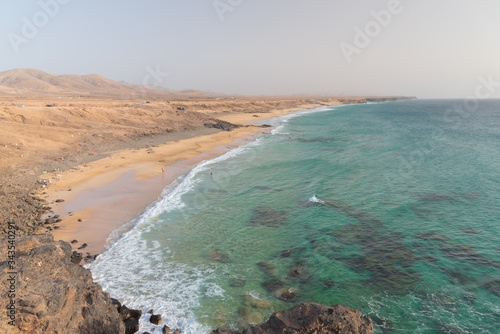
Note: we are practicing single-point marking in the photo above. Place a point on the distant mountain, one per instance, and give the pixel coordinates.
(32, 82)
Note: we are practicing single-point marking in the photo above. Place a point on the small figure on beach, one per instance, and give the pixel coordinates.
(163, 170)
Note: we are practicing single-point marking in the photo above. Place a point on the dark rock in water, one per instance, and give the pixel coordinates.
(472, 196)
(311, 318)
(470, 231)
(166, 329)
(130, 319)
(329, 283)
(432, 198)
(360, 215)
(384, 323)
(273, 285)
(218, 256)
(131, 325)
(177, 331)
(155, 319)
(237, 282)
(135, 313)
(267, 269)
(318, 140)
(331, 150)
(286, 253)
(467, 253)
(74, 241)
(432, 236)
(294, 272)
(89, 258)
(54, 294)
(429, 258)
(231, 331)
(127, 313)
(469, 298)
(449, 329)
(454, 276)
(59, 200)
(266, 188)
(288, 296)
(267, 216)
(493, 287)
(307, 204)
(82, 246)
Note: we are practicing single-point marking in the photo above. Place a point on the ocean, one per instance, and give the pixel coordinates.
(392, 209)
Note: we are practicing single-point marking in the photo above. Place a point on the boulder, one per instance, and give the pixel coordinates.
(155, 319)
(311, 318)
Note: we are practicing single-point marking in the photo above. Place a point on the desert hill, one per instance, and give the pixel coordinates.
(32, 82)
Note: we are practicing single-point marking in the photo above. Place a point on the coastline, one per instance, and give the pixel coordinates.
(132, 143)
(111, 192)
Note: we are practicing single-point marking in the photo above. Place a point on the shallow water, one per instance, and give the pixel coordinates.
(389, 208)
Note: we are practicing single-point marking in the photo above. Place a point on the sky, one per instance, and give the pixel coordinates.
(423, 48)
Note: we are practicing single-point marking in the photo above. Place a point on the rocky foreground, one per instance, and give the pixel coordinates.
(45, 292)
(311, 318)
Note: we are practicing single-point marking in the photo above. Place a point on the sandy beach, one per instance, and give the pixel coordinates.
(108, 193)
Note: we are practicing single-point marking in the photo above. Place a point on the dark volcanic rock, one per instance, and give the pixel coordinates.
(267, 216)
(237, 282)
(54, 295)
(131, 325)
(267, 269)
(273, 285)
(130, 319)
(155, 319)
(221, 125)
(311, 318)
(218, 256)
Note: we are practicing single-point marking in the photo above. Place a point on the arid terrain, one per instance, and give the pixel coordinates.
(36, 138)
(54, 140)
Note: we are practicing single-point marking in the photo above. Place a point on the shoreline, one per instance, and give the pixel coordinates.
(114, 192)
(105, 148)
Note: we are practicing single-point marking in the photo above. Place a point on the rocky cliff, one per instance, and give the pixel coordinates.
(49, 293)
(311, 318)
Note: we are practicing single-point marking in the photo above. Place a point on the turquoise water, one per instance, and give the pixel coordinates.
(389, 208)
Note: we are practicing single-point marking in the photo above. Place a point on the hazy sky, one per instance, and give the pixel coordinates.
(425, 48)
